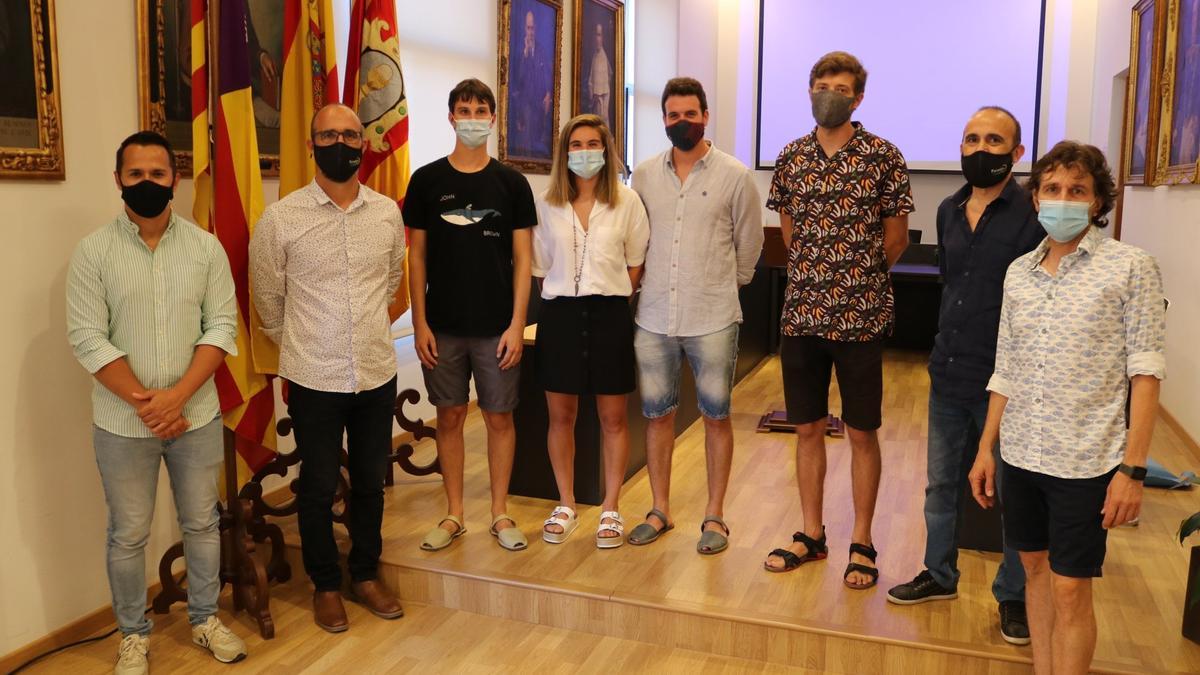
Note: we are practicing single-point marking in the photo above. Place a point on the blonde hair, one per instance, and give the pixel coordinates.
(562, 185)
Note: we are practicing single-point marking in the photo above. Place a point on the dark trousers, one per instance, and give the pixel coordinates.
(319, 418)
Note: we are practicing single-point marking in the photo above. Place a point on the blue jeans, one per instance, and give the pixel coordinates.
(129, 471)
(954, 430)
(712, 358)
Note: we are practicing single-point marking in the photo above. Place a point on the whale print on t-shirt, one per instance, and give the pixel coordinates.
(467, 216)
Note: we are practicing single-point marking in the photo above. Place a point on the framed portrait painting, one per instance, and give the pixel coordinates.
(530, 44)
(165, 74)
(1141, 101)
(1178, 158)
(599, 64)
(31, 142)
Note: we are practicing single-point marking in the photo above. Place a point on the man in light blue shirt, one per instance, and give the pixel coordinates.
(151, 314)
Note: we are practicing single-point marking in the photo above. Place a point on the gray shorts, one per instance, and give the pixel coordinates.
(448, 383)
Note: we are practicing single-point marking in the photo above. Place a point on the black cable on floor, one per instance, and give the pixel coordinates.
(58, 649)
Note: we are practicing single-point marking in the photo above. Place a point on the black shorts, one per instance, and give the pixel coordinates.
(1059, 515)
(585, 345)
(807, 361)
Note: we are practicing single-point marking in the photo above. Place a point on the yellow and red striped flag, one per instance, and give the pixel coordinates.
(375, 90)
(247, 397)
(201, 170)
(309, 82)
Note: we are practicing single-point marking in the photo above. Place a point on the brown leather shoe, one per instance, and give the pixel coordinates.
(329, 612)
(375, 597)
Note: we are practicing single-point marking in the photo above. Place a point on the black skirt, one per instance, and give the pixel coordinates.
(585, 345)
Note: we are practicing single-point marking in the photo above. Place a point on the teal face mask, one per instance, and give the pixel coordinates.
(1063, 220)
(473, 133)
(585, 163)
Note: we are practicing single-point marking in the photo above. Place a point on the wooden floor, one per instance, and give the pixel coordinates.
(426, 640)
(583, 597)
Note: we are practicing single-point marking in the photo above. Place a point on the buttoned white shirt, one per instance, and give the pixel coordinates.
(706, 235)
(1067, 346)
(615, 240)
(322, 278)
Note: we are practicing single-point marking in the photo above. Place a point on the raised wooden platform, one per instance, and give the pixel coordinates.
(664, 608)
(667, 594)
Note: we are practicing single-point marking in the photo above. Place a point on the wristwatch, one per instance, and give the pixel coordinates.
(1137, 473)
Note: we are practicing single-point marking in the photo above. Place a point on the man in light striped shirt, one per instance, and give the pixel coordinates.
(151, 314)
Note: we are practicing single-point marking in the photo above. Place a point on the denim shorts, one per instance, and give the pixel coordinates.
(712, 358)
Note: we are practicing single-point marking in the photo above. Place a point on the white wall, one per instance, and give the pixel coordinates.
(1164, 220)
(53, 524)
(53, 569)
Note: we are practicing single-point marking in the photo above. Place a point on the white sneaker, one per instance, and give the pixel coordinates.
(131, 655)
(216, 638)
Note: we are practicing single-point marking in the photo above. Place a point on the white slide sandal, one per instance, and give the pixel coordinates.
(618, 526)
(568, 524)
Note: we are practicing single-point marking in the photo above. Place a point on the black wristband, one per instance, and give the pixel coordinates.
(1137, 473)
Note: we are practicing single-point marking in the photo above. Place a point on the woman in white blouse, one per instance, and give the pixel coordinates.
(588, 250)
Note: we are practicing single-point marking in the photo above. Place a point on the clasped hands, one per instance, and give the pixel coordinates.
(161, 410)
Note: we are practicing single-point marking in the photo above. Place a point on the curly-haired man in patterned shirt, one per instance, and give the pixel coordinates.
(843, 199)
(1082, 331)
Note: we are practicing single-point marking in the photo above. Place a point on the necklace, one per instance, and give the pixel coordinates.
(579, 259)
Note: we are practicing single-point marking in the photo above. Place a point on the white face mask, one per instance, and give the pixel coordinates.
(585, 163)
(473, 133)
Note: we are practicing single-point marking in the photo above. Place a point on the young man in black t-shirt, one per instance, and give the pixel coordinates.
(470, 253)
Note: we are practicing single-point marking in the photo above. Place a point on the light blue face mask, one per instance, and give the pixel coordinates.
(473, 133)
(585, 163)
(1063, 220)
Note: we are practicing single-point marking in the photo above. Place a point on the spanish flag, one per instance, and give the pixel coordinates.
(375, 90)
(247, 397)
(309, 83)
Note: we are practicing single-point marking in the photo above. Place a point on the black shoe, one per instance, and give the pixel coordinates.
(1014, 625)
(921, 589)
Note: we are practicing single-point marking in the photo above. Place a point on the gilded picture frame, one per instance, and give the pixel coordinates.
(1178, 158)
(1142, 107)
(529, 39)
(598, 64)
(164, 75)
(31, 135)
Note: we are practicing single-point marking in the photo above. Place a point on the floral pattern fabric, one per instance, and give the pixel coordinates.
(838, 286)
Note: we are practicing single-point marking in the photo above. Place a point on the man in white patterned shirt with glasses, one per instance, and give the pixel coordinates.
(325, 262)
(1082, 331)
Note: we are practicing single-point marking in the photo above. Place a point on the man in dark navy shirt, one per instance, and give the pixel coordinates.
(981, 229)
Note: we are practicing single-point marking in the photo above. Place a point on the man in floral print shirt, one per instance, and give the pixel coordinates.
(843, 199)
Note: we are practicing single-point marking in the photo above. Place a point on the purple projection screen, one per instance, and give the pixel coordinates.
(930, 65)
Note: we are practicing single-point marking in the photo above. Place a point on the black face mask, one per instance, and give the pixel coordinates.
(685, 135)
(147, 198)
(339, 162)
(983, 169)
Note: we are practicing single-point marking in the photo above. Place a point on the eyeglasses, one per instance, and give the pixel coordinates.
(352, 137)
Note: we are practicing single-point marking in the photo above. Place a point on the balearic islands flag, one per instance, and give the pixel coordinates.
(309, 83)
(375, 90)
(247, 398)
